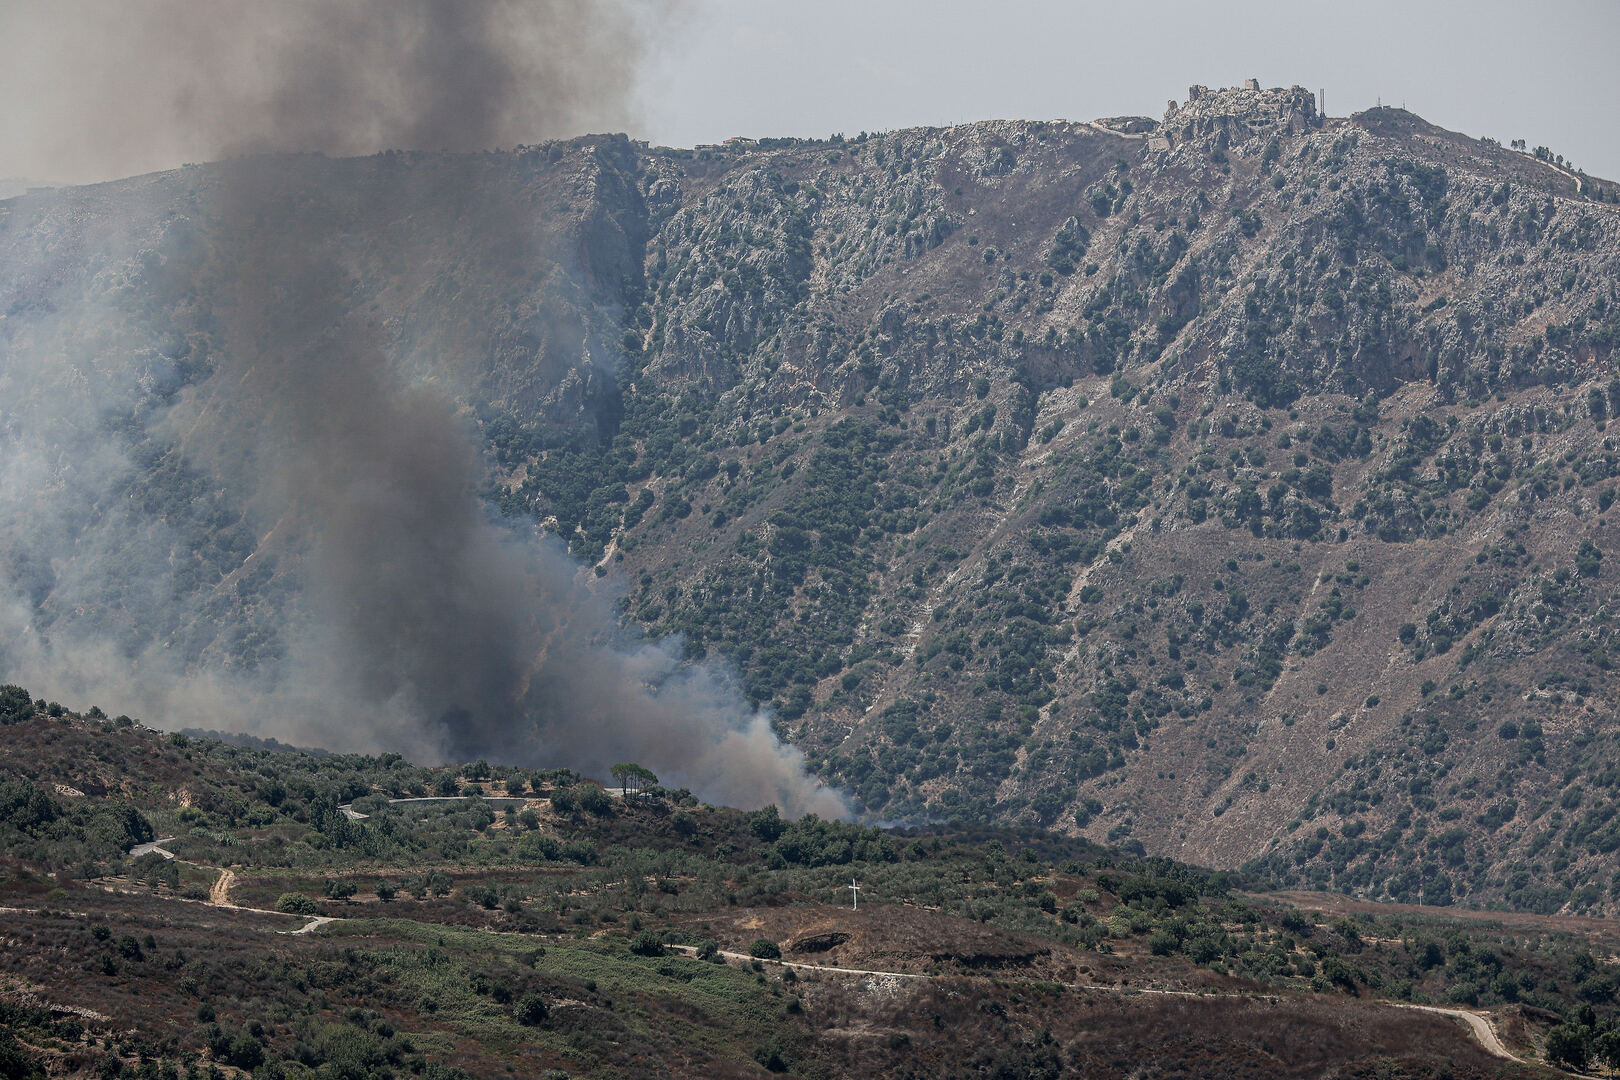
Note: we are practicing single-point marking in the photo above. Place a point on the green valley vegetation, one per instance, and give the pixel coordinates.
(643, 935)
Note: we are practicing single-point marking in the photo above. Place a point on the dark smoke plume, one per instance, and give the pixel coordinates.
(423, 626)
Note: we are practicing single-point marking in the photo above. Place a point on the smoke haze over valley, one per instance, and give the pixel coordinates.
(353, 590)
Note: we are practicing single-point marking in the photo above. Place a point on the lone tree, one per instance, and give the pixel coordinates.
(15, 704)
(630, 775)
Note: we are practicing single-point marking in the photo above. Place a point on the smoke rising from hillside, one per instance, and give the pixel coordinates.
(422, 625)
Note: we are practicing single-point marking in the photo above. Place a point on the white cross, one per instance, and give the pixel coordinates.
(855, 894)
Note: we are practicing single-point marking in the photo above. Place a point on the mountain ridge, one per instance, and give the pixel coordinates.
(1157, 485)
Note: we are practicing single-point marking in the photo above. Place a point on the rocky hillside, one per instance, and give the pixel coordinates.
(1236, 485)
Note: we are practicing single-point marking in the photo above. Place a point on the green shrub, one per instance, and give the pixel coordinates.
(530, 1010)
(765, 949)
(593, 799)
(15, 704)
(647, 943)
(15, 1060)
(246, 1052)
(579, 851)
(770, 1057)
(296, 903)
(482, 895)
(544, 848)
(1567, 1047)
(1339, 974)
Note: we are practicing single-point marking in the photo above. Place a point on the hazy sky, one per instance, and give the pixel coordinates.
(83, 89)
(1544, 72)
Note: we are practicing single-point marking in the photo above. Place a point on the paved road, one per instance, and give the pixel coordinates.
(315, 923)
(154, 848)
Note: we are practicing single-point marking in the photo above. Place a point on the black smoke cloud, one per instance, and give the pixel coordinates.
(421, 624)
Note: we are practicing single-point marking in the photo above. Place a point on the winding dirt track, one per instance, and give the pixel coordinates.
(1478, 1024)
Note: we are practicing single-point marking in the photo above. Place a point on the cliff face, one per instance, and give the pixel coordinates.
(1237, 485)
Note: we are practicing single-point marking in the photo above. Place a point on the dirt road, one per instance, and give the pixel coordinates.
(220, 893)
(1479, 1025)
